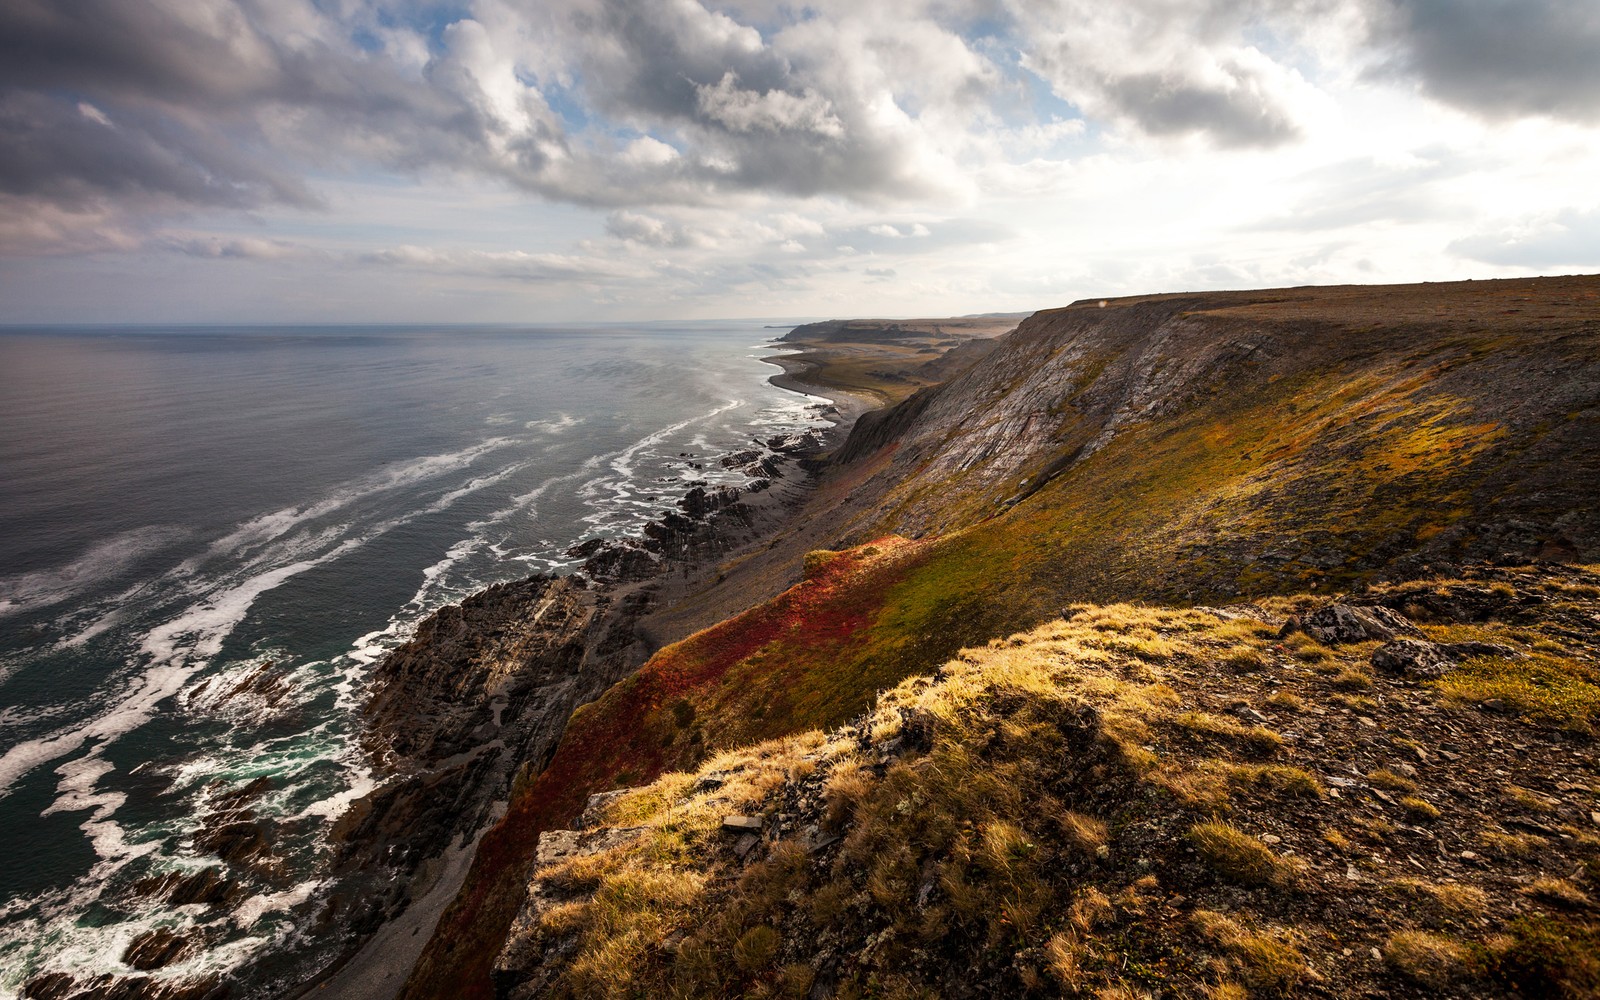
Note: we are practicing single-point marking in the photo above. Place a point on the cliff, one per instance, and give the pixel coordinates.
(1269, 449)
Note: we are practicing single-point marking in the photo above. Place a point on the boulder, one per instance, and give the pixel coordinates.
(1420, 658)
(1337, 624)
(1412, 658)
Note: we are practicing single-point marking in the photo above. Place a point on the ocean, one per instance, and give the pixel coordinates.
(180, 506)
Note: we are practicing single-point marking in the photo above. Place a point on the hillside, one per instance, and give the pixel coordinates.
(1176, 450)
(1131, 801)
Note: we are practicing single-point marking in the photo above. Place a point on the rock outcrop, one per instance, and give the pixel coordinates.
(482, 693)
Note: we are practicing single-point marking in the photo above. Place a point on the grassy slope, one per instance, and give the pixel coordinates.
(1380, 447)
(1080, 811)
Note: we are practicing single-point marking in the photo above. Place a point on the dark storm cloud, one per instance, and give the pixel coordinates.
(225, 103)
(129, 113)
(1500, 58)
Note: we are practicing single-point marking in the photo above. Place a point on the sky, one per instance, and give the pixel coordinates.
(301, 161)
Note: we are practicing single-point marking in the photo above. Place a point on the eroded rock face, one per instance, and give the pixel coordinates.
(1337, 624)
(484, 690)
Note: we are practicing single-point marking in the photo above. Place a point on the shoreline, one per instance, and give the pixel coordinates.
(849, 405)
(380, 968)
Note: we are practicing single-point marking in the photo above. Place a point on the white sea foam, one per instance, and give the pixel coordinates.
(176, 651)
(622, 464)
(77, 793)
(102, 561)
(561, 422)
(253, 909)
(267, 527)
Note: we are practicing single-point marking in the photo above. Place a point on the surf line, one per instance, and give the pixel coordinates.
(184, 645)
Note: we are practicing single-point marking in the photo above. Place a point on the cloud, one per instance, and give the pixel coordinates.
(231, 248)
(1498, 58)
(771, 111)
(1365, 191)
(1166, 70)
(650, 230)
(1570, 239)
(513, 265)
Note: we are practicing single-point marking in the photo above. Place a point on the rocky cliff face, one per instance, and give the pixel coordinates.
(481, 690)
(1340, 401)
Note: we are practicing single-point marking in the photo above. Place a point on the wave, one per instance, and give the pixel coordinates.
(623, 463)
(267, 527)
(175, 651)
(101, 562)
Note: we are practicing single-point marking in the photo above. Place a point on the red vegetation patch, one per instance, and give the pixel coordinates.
(628, 737)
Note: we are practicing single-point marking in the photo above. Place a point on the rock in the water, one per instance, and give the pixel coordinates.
(208, 886)
(156, 949)
(1412, 658)
(1337, 624)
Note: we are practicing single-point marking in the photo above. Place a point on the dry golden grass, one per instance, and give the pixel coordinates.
(1353, 679)
(1277, 779)
(1527, 799)
(1390, 780)
(1256, 739)
(1245, 660)
(1545, 688)
(1064, 954)
(1511, 846)
(1287, 701)
(1239, 857)
(1559, 892)
(1419, 810)
(1085, 833)
(1431, 960)
(994, 831)
(1269, 961)
(756, 948)
(1303, 647)
(1449, 899)
(847, 784)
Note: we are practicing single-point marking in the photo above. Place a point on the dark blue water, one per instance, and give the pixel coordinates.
(179, 507)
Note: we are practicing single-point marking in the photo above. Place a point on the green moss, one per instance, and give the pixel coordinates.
(1545, 688)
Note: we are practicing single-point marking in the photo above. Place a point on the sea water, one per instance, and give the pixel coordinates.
(180, 506)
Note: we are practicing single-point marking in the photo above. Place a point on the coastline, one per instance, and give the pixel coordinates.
(849, 404)
(380, 968)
